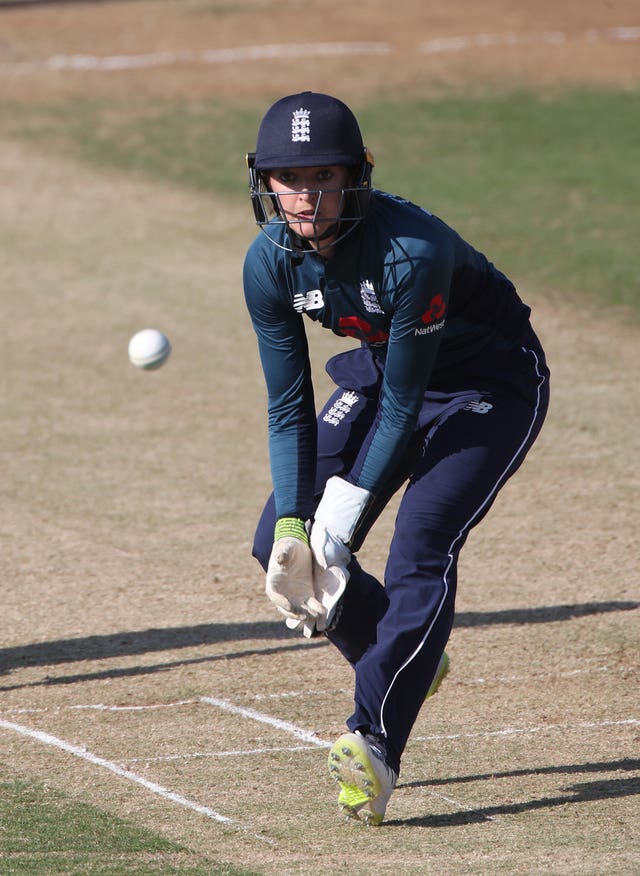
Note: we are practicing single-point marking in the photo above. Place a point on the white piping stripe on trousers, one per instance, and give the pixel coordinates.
(465, 529)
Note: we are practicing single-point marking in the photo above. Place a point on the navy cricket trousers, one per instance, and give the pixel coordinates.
(473, 433)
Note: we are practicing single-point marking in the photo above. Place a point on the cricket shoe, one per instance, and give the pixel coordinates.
(441, 671)
(366, 781)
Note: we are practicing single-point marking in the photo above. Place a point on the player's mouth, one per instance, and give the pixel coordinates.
(306, 217)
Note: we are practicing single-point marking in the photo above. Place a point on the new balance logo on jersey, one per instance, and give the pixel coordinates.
(368, 295)
(303, 301)
(340, 408)
(478, 407)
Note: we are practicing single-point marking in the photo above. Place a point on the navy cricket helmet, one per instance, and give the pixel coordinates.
(310, 129)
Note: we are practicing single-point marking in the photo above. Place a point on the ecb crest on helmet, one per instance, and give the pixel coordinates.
(301, 126)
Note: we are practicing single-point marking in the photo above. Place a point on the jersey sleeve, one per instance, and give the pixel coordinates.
(284, 355)
(418, 280)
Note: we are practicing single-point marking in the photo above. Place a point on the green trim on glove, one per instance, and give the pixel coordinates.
(292, 527)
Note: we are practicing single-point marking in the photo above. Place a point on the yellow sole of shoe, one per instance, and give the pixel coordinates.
(443, 669)
(349, 766)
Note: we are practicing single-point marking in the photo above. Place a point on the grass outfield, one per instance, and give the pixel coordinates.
(544, 182)
(45, 832)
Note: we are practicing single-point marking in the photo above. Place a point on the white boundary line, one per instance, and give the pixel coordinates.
(54, 741)
(511, 38)
(279, 51)
(243, 54)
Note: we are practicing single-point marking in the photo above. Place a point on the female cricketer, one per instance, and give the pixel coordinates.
(443, 397)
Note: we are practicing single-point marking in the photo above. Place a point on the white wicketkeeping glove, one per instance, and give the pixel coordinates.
(289, 583)
(335, 521)
(328, 586)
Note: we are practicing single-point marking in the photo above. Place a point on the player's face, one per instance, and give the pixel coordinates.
(310, 199)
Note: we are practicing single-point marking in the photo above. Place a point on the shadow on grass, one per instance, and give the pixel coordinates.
(585, 792)
(126, 644)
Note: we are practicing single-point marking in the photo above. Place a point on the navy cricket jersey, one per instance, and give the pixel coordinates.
(409, 288)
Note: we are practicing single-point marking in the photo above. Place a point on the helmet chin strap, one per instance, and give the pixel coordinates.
(298, 242)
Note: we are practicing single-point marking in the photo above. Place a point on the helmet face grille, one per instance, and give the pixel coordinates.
(310, 130)
(269, 215)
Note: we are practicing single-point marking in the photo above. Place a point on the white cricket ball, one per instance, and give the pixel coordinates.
(149, 349)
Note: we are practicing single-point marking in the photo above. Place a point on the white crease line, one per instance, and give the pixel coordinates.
(277, 51)
(195, 755)
(48, 739)
(298, 732)
(463, 806)
(290, 694)
(510, 679)
(101, 707)
(480, 735)
(466, 682)
(514, 731)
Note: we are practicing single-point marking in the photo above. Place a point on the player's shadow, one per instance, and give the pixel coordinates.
(544, 614)
(584, 792)
(132, 643)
